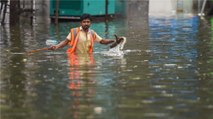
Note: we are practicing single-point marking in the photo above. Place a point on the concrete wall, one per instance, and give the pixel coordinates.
(170, 7)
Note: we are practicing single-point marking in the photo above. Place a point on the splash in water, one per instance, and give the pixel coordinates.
(117, 50)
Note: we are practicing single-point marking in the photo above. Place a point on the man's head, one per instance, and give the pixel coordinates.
(85, 21)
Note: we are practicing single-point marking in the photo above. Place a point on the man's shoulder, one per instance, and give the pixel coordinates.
(92, 31)
(75, 28)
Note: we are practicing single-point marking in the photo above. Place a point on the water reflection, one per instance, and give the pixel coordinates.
(211, 45)
(13, 79)
(173, 62)
(165, 72)
(82, 76)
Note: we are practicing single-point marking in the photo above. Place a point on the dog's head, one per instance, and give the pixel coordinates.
(120, 41)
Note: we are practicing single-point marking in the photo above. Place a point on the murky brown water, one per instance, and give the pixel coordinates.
(166, 72)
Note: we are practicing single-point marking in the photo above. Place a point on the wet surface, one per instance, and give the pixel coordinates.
(166, 72)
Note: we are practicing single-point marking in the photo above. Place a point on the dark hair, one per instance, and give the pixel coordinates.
(85, 16)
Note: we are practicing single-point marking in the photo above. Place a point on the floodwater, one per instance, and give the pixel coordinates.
(166, 72)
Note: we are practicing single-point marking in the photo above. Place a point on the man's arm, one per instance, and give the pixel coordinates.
(60, 45)
(114, 42)
(106, 41)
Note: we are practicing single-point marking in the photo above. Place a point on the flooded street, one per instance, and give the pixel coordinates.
(166, 71)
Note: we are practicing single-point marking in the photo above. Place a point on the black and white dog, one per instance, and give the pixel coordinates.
(116, 49)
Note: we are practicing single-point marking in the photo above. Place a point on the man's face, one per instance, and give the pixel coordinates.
(85, 24)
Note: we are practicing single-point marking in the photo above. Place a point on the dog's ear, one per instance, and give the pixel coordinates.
(116, 37)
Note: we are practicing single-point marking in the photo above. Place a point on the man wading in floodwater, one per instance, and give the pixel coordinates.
(81, 39)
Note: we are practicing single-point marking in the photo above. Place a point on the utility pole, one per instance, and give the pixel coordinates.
(56, 11)
(106, 10)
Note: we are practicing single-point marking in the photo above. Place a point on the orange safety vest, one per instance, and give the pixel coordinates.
(75, 37)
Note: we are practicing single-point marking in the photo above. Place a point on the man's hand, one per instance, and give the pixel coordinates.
(60, 45)
(53, 47)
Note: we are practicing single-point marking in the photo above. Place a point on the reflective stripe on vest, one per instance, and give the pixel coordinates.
(73, 32)
(74, 39)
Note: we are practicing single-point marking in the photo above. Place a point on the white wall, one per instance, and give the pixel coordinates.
(162, 7)
(170, 7)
